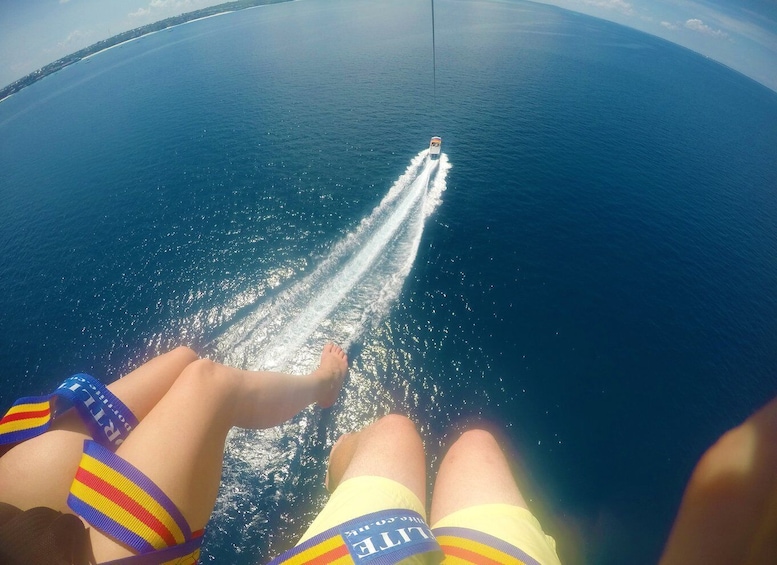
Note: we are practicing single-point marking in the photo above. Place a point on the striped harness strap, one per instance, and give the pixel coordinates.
(466, 546)
(380, 538)
(120, 501)
(109, 421)
(186, 554)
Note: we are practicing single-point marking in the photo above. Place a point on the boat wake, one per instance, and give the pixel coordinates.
(350, 290)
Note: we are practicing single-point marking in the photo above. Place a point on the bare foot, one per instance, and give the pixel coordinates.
(331, 374)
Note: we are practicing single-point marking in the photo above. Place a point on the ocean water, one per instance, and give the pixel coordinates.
(591, 267)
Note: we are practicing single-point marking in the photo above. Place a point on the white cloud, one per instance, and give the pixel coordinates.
(618, 5)
(140, 13)
(670, 25)
(161, 4)
(698, 25)
(76, 39)
(166, 8)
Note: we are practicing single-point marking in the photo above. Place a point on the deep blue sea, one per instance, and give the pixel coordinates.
(592, 266)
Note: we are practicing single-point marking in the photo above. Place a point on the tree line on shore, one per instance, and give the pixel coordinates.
(59, 64)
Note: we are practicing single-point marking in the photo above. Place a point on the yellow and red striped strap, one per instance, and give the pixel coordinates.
(27, 418)
(119, 500)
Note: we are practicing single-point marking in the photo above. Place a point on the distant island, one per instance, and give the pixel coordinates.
(59, 64)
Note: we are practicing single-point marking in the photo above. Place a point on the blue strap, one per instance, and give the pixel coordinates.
(108, 419)
(188, 552)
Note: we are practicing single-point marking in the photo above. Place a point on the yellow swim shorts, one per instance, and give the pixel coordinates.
(490, 533)
(361, 496)
(371, 521)
(494, 533)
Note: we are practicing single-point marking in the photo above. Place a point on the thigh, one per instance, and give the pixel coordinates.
(475, 471)
(390, 448)
(179, 446)
(38, 472)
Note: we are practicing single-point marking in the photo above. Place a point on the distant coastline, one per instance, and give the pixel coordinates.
(126, 36)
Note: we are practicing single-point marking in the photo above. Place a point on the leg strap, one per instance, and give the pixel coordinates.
(109, 421)
(120, 501)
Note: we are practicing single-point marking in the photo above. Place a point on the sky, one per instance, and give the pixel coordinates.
(741, 34)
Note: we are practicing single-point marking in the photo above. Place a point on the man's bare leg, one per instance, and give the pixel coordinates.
(390, 448)
(475, 471)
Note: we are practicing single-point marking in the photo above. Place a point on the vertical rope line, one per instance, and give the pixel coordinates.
(434, 60)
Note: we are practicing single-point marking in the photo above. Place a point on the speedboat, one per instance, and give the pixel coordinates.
(434, 148)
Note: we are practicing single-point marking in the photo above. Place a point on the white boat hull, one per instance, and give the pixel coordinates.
(435, 147)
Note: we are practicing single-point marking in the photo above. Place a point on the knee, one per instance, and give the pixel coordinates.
(395, 424)
(476, 439)
(205, 377)
(478, 436)
(186, 354)
(483, 444)
(203, 369)
(728, 461)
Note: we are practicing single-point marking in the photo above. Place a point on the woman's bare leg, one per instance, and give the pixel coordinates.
(49, 461)
(180, 443)
(141, 389)
(475, 471)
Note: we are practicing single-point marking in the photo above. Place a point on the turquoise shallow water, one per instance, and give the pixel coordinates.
(597, 275)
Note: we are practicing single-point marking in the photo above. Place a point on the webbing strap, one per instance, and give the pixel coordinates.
(109, 421)
(464, 546)
(119, 500)
(379, 538)
(184, 554)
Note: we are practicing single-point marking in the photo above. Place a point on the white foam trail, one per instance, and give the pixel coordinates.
(352, 288)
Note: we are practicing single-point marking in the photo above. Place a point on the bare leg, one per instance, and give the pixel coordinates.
(475, 471)
(390, 448)
(54, 456)
(475, 490)
(141, 389)
(180, 443)
(229, 399)
(729, 510)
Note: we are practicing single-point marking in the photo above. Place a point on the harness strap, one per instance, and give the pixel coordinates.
(184, 554)
(108, 419)
(379, 538)
(464, 546)
(123, 503)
